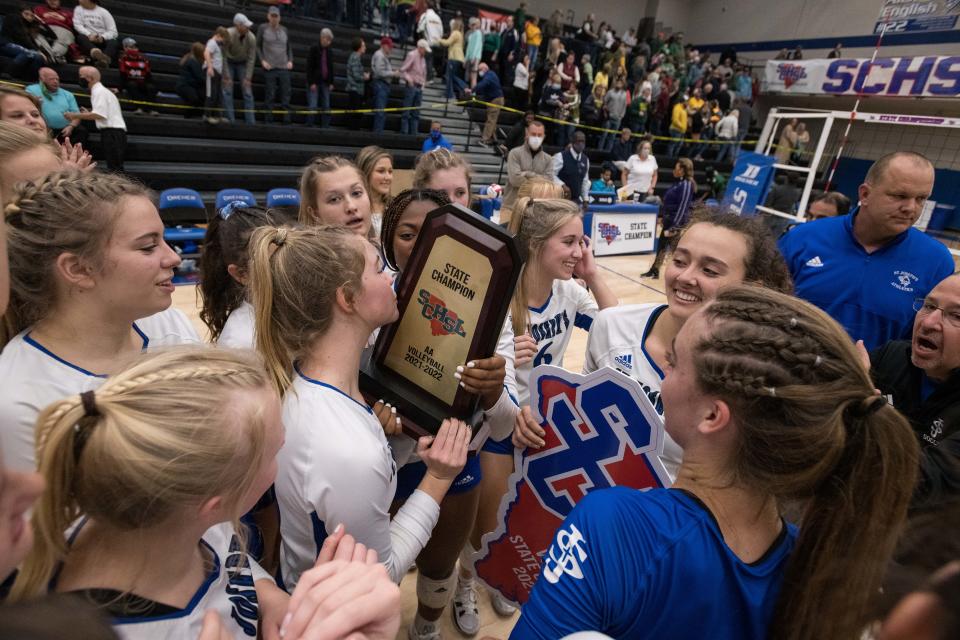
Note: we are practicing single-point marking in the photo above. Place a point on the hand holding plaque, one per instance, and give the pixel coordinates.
(452, 296)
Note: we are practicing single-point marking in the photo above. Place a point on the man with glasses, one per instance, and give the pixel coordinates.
(921, 377)
(866, 268)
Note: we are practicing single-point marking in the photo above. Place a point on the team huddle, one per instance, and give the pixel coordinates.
(248, 487)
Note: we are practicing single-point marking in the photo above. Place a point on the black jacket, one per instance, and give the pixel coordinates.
(936, 421)
(317, 73)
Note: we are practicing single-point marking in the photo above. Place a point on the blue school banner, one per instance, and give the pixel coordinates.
(749, 183)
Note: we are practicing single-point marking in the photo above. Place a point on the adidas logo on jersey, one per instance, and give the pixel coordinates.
(815, 262)
(625, 361)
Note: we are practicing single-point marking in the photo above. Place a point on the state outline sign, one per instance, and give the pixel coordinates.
(601, 431)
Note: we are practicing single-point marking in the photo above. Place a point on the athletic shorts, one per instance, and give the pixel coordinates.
(501, 447)
(410, 475)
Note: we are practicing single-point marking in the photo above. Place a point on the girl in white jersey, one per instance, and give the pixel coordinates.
(90, 283)
(145, 479)
(715, 250)
(490, 378)
(318, 293)
(223, 267)
(333, 191)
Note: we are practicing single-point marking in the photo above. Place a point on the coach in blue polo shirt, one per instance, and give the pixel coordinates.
(866, 269)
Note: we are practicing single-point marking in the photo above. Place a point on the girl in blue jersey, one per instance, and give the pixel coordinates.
(486, 377)
(767, 397)
(91, 283)
(145, 480)
(715, 250)
(223, 269)
(318, 293)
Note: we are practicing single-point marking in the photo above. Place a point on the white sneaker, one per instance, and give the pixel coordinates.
(501, 605)
(430, 631)
(465, 610)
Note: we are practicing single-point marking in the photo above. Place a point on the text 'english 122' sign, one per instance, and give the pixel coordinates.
(917, 76)
(601, 431)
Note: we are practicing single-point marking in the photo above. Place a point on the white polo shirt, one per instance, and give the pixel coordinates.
(105, 104)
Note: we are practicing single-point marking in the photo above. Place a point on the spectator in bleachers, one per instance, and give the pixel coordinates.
(96, 32)
(383, 75)
(784, 194)
(867, 268)
(602, 77)
(727, 130)
(473, 52)
(413, 72)
(591, 109)
(320, 78)
(521, 84)
(533, 37)
(213, 72)
(800, 145)
(829, 204)
(518, 132)
(375, 164)
(615, 106)
(638, 110)
(16, 43)
(105, 112)
(136, 77)
(527, 161)
(356, 80)
(742, 83)
(553, 27)
(436, 140)
(276, 58)
(555, 54)
(191, 81)
(454, 45)
(569, 72)
(490, 91)
(623, 147)
(571, 168)
(54, 102)
(510, 53)
(403, 17)
(569, 113)
(787, 142)
(430, 27)
(60, 21)
(679, 119)
(586, 76)
(551, 100)
(491, 46)
(836, 52)
(239, 58)
(520, 16)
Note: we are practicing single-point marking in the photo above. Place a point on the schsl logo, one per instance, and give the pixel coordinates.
(443, 322)
(790, 73)
(609, 232)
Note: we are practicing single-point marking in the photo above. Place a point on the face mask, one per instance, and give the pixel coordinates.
(555, 86)
(481, 73)
(83, 83)
(534, 142)
(435, 135)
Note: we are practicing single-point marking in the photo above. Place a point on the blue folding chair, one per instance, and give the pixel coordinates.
(226, 196)
(283, 197)
(180, 205)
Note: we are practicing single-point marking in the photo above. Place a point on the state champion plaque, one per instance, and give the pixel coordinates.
(453, 297)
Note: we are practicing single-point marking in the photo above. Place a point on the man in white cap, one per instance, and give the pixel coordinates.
(413, 72)
(240, 55)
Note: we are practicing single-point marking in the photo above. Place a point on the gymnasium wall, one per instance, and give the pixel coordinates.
(760, 28)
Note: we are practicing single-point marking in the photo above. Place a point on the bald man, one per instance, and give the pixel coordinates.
(54, 102)
(105, 112)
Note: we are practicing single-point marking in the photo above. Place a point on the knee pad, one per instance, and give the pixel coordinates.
(435, 593)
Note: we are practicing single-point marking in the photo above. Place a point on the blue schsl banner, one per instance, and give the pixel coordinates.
(749, 183)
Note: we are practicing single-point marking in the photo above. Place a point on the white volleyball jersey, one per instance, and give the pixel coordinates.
(229, 589)
(551, 325)
(34, 377)
(616, 341)
(335, 467)
(238, 329)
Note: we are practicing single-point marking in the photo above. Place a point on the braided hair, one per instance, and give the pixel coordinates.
(64, 212)
(812, 429)
(391, 217)
(174, 428)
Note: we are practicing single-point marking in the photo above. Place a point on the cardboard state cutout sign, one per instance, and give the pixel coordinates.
(601, 431)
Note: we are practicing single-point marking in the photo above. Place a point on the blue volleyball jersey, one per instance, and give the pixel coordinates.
(870, 294)
(651, 564)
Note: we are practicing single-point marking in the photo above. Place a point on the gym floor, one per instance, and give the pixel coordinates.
(623, 275)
